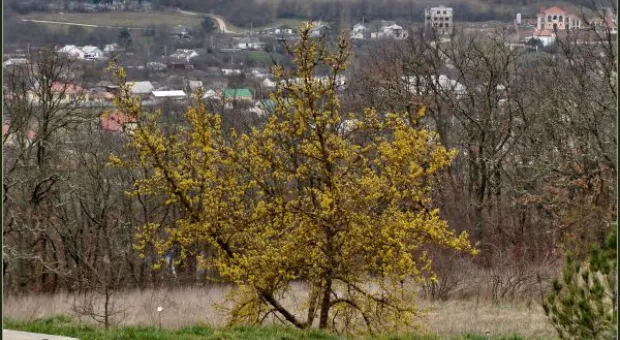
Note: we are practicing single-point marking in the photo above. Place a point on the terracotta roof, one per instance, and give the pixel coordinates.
(68, 88)
(114, 121)
(553, 10)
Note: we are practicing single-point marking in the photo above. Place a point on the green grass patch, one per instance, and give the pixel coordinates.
(67, 326)
(124, 19)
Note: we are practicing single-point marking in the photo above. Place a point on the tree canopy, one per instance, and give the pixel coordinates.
(338, 204)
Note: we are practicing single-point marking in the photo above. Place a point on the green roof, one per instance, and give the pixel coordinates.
(236, 93)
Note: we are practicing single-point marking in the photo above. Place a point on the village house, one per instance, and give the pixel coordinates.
(92, 52)
(194, 85)
(118, 122)
(249, 44)
(141, 89)
(390, 30)
(211, 94)
(68, 92)
(546, 37)
(259, 72)
(156, 66)
(360, 31)
(557, 18)
(237, 96)
(111, 48)
(15, 62)
(318, 30)
(72, 51)
(268, 83)
(180, 65)
(231, 71)
(184, 54)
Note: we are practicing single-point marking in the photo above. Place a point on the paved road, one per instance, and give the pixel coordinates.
(15, 335)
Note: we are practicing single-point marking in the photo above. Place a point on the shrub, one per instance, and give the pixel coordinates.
(583, 304)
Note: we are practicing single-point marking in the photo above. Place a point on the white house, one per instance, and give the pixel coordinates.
(92, 52)
(418, 84)
(15, 61)
(390, 31)
(194, 85)
(259, 72)
(72, 51)
(109, 48)
(230, 71)
(210, 94)
(249, 44)
(283, 30)
(546, 37)
(268, 83)
(359, 31)
(184, 54)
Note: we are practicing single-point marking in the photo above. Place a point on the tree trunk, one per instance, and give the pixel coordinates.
(325, 303)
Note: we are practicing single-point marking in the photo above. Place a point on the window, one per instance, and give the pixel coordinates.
(438, 12)
(561, 19)
(447, 18)
(566, 20)
(428, 18)
(440, 25)
(548, 18)
(445, 12)
(447, 24)
(555, 17)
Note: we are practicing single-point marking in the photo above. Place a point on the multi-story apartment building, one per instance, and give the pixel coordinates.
(440, 19)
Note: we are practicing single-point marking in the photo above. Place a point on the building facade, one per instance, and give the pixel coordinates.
(557, 18)
(440, 19)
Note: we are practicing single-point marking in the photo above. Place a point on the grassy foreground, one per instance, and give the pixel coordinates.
(67, 326)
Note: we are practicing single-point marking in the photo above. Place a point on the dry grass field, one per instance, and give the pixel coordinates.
(184, 307)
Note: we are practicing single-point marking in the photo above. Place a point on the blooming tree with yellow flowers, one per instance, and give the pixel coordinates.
(333, 202)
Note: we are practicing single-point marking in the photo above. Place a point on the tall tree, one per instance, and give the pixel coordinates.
(337, 202)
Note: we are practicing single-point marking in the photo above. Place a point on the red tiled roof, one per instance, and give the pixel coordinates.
(114, 121)
(553, 10)
(68, 88)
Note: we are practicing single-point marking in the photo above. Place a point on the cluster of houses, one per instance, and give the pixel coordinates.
(88, 52)
(387, 29)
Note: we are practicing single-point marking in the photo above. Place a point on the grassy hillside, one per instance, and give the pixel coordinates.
(126, 19)
(66, 326)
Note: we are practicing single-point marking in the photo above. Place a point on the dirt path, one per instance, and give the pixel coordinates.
(220, 22)
(15, 335)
